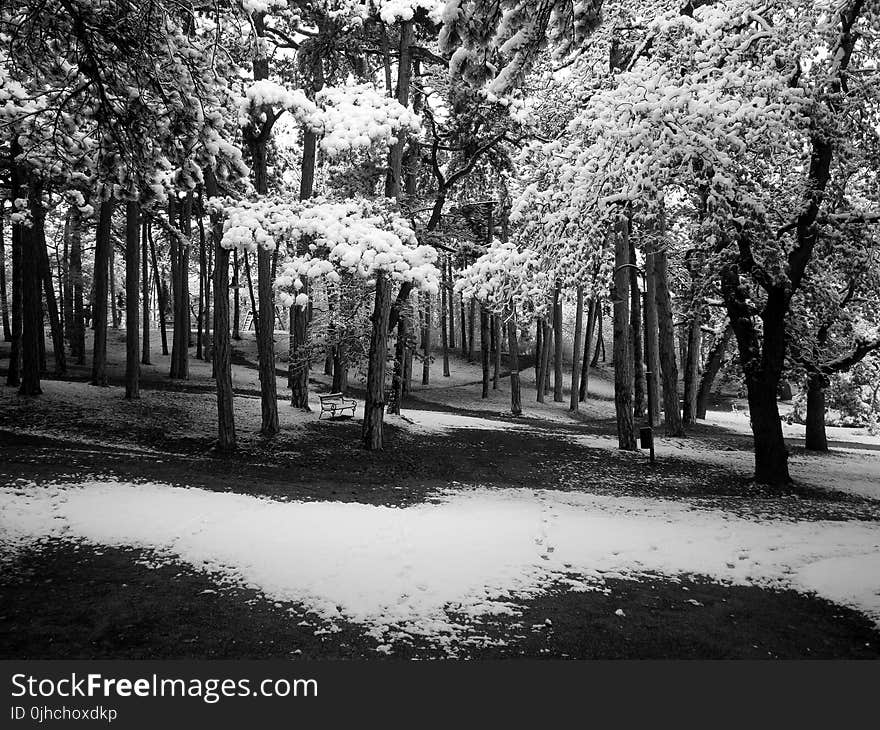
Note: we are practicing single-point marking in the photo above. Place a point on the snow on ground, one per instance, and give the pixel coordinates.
(400, 570)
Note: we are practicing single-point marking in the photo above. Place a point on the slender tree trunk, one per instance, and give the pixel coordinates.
(623, 361)
(222, 350)
(444, 334)
(4, 303)
(692, 369)
(374, 409)
(513, 346)
(462, 314)
(539, 349)
(666, 347)
(584, 385)
(600, 339)
(472, 323)
(639, 380)
(103, 244)
(236, 293)
(576, 352)
(114, 309)
(32, 240)
(340, 365)
(180, 273)
(145, 296)
(161, 291)
(426, 341)
(816, 440)
(557, 341)
(132, 303)
(45, 272)
(13, 375)
(398, 374)
(67, 289)
(203, 268)
(544, 371)
(78, 334)
(496, 339)
(652, 345)
(451, 297)
(713, 365)
(484, 348)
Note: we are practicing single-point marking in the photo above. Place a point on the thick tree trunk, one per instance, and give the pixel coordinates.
(13, 374)
(374, 408)
(484, 348)
(557, 341)
(539, 348)
(145, 296)
(496, 362)
(713, 365)
(666, 347)
(513, 346)
(222, 351)
(623, 361)
(266, 351)
(576, 352)
(78, 333)
(132, 303)
(181, 334)
(816, 440)
(771, 454)
(299, 358)
(103, 245)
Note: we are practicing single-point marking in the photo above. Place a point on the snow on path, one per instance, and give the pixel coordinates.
(394, 568)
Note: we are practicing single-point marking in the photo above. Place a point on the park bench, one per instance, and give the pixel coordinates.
(335, 404)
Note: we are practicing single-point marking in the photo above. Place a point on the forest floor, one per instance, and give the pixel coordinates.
(473, 534)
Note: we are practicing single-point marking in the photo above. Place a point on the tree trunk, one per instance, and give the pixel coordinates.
(638, 353)
(576, 351)
(78, 333)
(544, 371)
(584, 385)
(462, 314)
(222, 351)
(666, 347)
(32, 240)
(181, 334)
(472, 324)
(340, 366)
(652, 345)
(266, 351)
(539, 348)
(557, 342)
(426, 340)
(398, 374)
(484, 348)
(236, 293)
(4, 304)
(114, 309)
(13, 374)
(145, 296)
(103, 245)
(299, 360)
(45, 272)
(200, 317)
(132, 303)
(816, 440)
(67, 290)
(623, 361)
(161, 290)
(713, 365)
(600, 338)
(444, 335)
(496, 339)
(692, 368)
(513, 346)
(771, 454)
(374, 408)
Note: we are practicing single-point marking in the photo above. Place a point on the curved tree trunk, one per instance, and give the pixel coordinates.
(710, 372)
